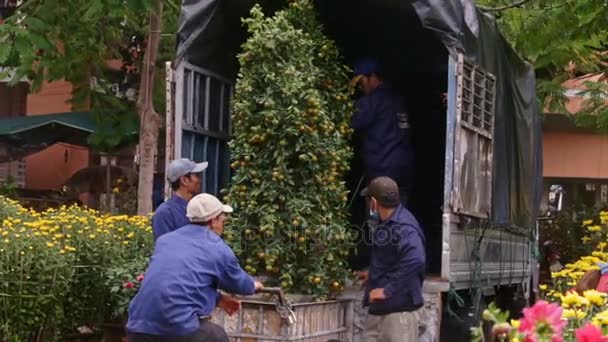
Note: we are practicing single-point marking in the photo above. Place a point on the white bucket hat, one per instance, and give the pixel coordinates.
(204, 207)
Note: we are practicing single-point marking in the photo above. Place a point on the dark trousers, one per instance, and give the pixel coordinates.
(208, 332)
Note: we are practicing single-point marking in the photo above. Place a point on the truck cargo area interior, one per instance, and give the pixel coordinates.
(415, 62)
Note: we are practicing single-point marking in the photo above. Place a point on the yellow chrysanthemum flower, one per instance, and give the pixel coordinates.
(595, 297)
(587, 223)
(515, 323)
(574, 314)
(573, 299)
(601, 319)
(594, 229)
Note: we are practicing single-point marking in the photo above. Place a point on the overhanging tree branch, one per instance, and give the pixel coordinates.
(505, 7)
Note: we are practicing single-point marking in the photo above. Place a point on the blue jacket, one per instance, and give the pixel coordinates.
(397, 264)
(383, 119)
(181, 284)
(169, 216)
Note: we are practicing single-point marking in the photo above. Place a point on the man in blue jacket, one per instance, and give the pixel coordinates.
(180, 289)
(185, 178)
(396, 273)
(382, 119)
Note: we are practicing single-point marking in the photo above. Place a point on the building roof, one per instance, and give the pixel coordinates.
(23, 135)
(82, 121)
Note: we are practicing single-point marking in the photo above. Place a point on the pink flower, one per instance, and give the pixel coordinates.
(501, 330)
(543, 320)
(140, 278)
(128, 285)
(590, 333)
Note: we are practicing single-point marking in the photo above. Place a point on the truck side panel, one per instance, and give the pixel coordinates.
(474, 251)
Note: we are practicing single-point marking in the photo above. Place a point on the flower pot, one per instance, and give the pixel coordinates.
(114, 332)
(315, 321)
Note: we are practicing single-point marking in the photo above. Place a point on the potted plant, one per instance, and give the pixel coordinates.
(123, 281)
(290, 153)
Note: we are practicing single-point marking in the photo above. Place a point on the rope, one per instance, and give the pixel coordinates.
(500, 261)
(356, 192)
(480, 231)
(454, 296)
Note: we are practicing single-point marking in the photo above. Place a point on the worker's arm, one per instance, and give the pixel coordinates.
(162, 221)
(233, 279)
(411, 262)
(364, 115)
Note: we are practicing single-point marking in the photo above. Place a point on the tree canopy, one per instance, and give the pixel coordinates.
(564, 39)
(50, 40)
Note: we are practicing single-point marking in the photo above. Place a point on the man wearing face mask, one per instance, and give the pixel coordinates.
(185, 178)
(393, 284)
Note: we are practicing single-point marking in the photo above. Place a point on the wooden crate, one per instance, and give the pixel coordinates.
(258, 321)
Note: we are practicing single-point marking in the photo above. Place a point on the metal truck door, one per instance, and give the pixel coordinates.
(201, 127)
(471, 190)
(468, 168)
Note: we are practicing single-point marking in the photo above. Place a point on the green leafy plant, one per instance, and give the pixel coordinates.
(8, 188)
(290, 152)
(566, 232)
(54, 267)
(34, 279)
(124, 282)
(564, 40)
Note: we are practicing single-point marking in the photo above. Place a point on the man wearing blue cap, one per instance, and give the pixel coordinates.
(185, 178)
(382, 118)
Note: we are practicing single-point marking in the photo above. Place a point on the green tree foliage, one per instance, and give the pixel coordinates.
(50, 40)
(290, 152)
(563, 39)
(53, 40)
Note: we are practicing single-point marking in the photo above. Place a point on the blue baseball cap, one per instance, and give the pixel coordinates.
(184, 166)
(365, 67)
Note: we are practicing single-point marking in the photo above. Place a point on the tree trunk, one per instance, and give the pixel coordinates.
(150, 120)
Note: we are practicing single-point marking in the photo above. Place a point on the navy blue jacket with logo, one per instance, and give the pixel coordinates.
(397, 264)
(383, 119)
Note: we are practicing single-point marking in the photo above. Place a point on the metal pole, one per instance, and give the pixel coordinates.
(108, 186)
(169, 117)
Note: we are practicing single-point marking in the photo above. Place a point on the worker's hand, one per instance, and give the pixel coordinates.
(229, 304)
(377, 295)
(258, 286)
(364, 277)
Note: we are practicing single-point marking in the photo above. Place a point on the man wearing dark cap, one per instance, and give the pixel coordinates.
(185, 178)
(394, 281)
(381, 117)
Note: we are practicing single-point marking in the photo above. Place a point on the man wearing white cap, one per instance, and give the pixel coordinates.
(180, 288)
(185, 178)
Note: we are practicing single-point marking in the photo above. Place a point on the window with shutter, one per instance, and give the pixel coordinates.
(13, 101)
